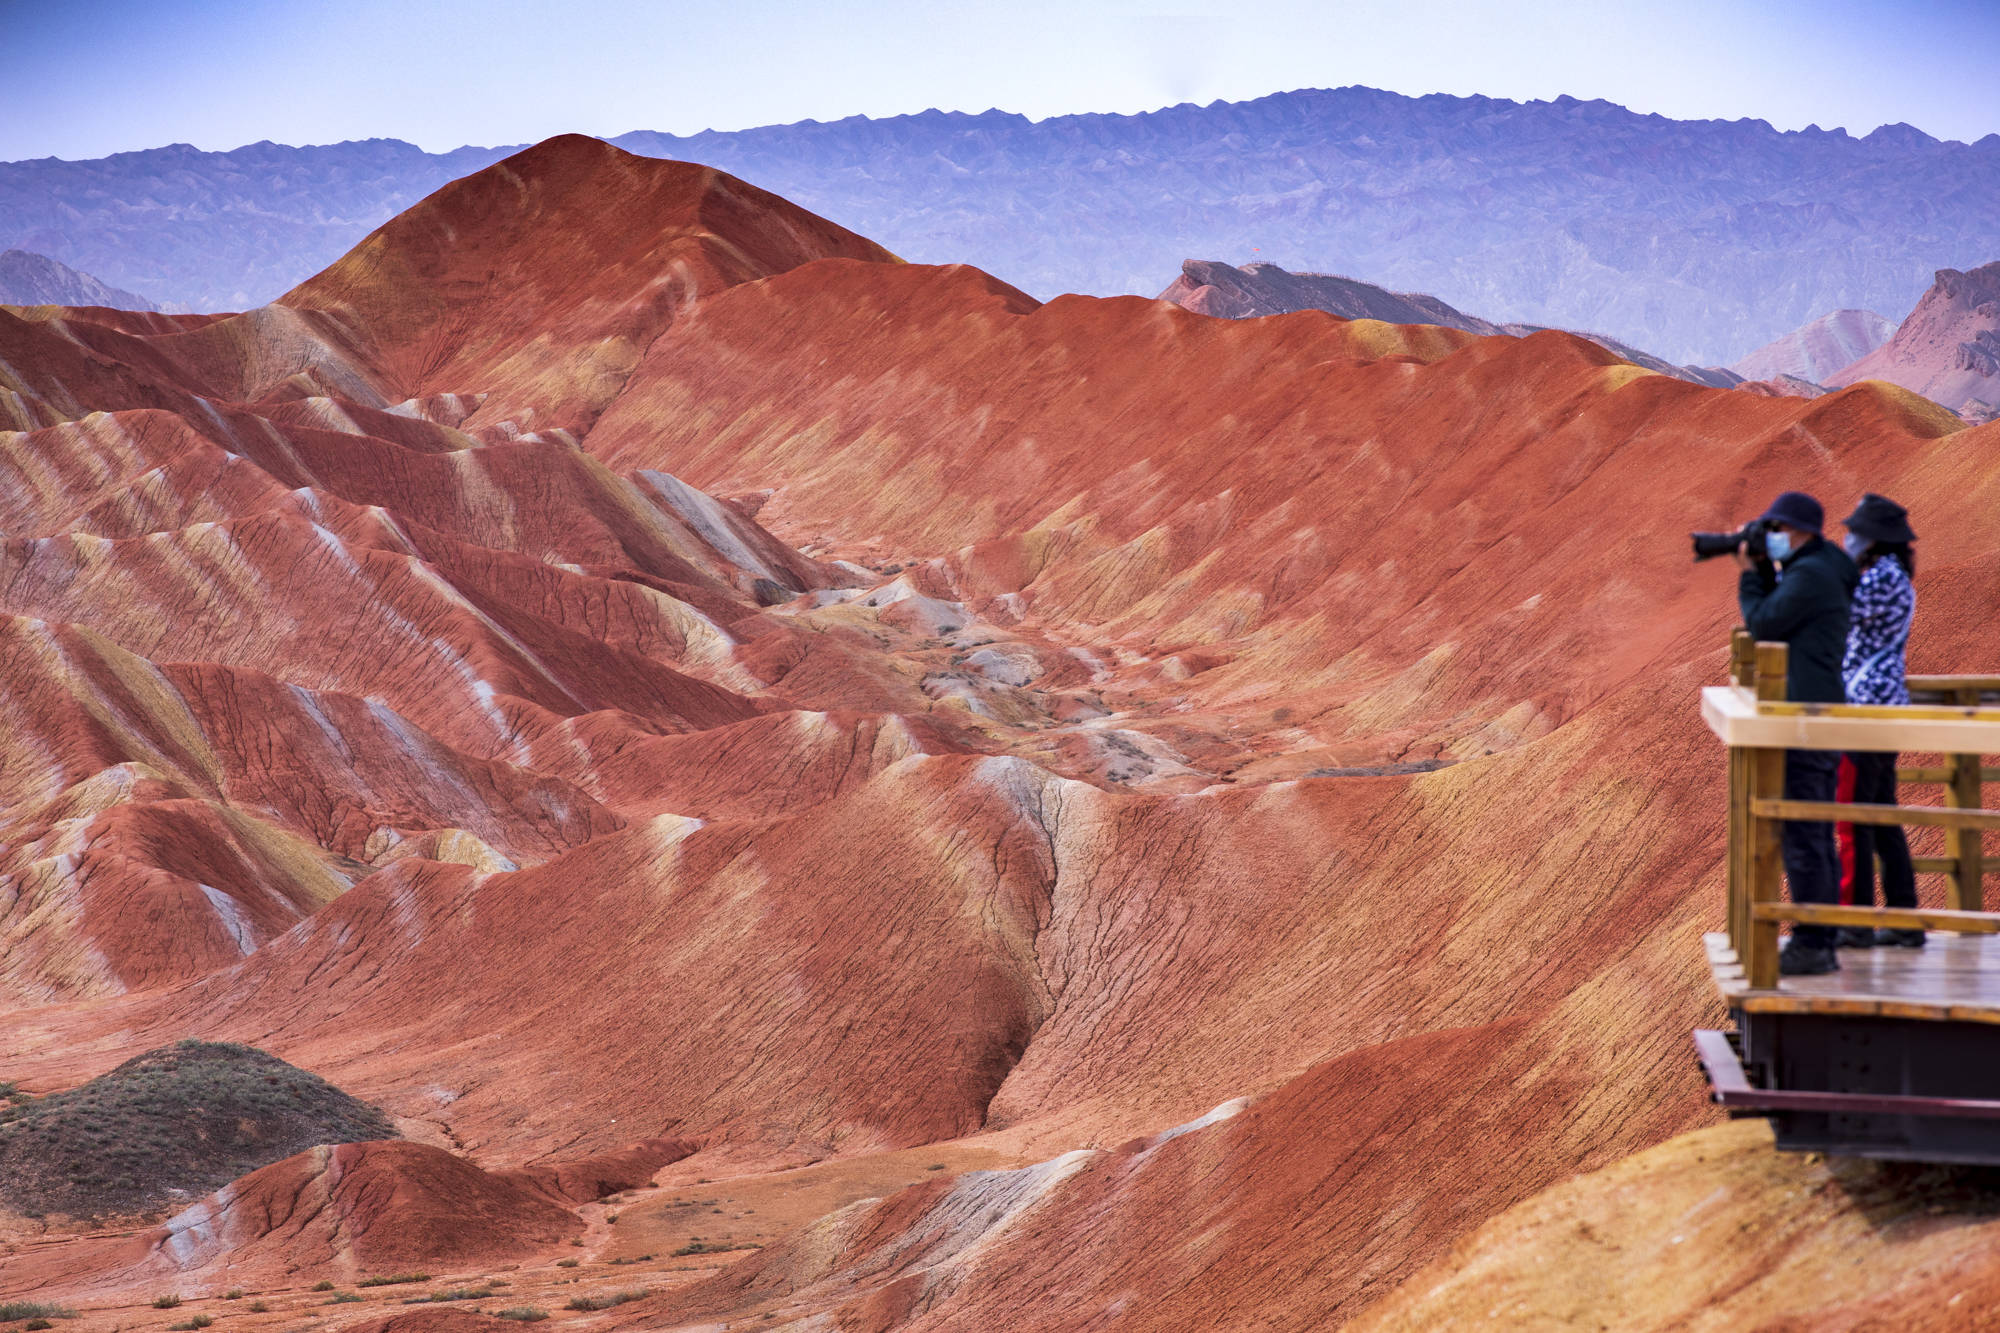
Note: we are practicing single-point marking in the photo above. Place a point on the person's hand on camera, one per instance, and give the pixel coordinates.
(1746, 558)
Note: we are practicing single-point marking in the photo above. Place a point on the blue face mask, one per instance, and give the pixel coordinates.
(1856, 546)
(1778, 545)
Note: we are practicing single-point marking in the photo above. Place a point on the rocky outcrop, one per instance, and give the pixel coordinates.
(1948, 349)
(1211, 288)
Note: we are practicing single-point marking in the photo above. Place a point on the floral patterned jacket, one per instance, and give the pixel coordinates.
(1877, 632)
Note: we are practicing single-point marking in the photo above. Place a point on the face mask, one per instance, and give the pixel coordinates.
(1855, 546)
(1778, 545)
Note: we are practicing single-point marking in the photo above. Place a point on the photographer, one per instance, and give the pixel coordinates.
(1803, 602)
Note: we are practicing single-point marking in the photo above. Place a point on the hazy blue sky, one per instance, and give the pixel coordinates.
(81, 78)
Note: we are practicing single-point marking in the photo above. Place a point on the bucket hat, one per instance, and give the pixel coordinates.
(1879, 519)
(1796, 509)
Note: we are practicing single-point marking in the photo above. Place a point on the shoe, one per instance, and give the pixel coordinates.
(1805, 960)
(1858, 937)
(1901, 939)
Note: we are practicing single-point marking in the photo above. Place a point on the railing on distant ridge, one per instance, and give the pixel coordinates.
(1955, 716)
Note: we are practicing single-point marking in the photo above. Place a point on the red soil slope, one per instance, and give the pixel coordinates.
(1714, 1230)
(544, 278)
(866, 712)
(345, 1213)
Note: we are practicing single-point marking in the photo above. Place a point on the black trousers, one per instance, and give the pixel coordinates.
(1812, 866)
(1875, 784)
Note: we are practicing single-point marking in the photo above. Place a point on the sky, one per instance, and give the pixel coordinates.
(83, 78)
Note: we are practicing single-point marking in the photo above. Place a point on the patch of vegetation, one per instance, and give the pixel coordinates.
(199, 1321)
(566, 1263)
(258, 1307)
(393, 1279)
(526, 1314)
(36, 1326)
(452, 1294)
(699, 1246)
(192, 1117)
(606, 1301)
(345, 1298)
(166, 1302)
(233, 1294)
(324, 1284)
(12, 1310)
(935, 1166)
(639, 1259)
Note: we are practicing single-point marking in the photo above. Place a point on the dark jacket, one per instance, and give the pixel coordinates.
(1806, 607)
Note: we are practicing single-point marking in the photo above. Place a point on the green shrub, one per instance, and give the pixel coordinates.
(199, 1321)
(700, 1246)
(608, 1300)
(233, 1294)
(526, 1314)
(393, 1279)
(344, 1298)
(165, 1302)
(566, 1263)
(12, 1310)
(258, 1307)
(639, 1259)
(452, 1294)
(323, 1285)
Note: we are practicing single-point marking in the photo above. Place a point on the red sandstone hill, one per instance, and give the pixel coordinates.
(1074, 813)
(543, 278)
(1949, 347)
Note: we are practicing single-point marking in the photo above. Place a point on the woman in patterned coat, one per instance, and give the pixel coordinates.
(1879, 538)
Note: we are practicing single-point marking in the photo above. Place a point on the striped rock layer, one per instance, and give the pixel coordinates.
(1072, 814)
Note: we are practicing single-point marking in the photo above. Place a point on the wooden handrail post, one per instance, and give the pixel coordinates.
(1742, 672)
(1764, 866)
(1968, 886)
(1742, 767)
(1742, 657)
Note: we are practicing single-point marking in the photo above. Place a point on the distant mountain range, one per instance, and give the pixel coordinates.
(32, 279)
(1696, 239)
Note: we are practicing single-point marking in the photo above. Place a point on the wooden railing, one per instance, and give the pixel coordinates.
(1957, 716)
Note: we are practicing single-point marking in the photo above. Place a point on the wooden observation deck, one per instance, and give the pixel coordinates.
(1897, 1054)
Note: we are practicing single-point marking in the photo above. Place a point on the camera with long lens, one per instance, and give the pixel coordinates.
(1709, 545)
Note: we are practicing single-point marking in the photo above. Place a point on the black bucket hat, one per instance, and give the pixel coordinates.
(1879, 519)
(1796, 509)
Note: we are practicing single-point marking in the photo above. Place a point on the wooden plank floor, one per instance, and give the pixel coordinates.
(1953, 978)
